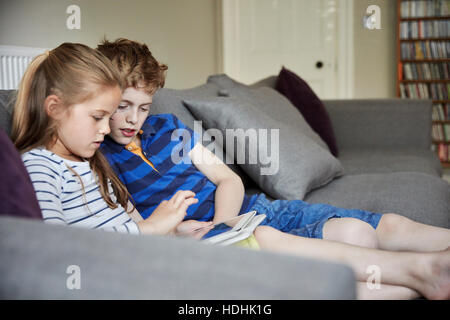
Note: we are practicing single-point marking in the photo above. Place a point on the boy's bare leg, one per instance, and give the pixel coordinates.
(399, 233)
(359, 233)
(427, 273)
(394, 233)
(385, 292)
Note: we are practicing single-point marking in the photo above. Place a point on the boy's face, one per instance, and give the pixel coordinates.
(130, 115)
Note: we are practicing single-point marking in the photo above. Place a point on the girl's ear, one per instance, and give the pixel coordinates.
(54, 107)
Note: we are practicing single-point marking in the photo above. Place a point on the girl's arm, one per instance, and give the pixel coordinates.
(167, 215)
(230, 189)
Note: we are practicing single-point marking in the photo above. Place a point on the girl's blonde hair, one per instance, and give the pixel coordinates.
(75, 73)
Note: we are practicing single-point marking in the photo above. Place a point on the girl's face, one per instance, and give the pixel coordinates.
(130, 116)
(83, 126)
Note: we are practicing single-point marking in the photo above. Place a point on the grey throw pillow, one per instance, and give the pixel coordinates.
(281, 159)
(269, 101)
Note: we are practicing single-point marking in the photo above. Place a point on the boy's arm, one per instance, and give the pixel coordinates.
(230, 189)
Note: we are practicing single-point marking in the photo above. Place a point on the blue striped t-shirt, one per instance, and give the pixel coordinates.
(166, 142)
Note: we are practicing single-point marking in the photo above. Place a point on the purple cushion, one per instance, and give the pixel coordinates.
(306, 101)
(17, 195)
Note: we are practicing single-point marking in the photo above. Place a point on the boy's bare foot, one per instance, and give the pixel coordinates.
(434, 280)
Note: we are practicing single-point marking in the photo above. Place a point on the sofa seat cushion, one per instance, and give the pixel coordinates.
(357, 161)
(419, 196)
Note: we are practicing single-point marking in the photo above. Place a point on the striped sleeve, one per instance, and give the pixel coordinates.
(47, 185)
(130, 227)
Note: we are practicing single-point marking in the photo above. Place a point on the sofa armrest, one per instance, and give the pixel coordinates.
(381, 123)
(35, 258)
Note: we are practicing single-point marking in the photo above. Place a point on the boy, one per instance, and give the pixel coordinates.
(139, 149)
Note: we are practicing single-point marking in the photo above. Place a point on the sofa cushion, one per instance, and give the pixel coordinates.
(35, 257)
(269, 101)
(17, 196)
(286, 166)
(358, 161)
(418, 196)
(270, 81)
(170, 101)
(306, 101)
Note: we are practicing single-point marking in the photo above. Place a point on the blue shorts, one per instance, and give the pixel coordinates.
(304, 219)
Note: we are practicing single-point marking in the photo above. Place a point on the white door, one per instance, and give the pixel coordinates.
(260, 36)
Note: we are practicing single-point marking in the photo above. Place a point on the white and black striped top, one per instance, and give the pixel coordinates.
(62, 199)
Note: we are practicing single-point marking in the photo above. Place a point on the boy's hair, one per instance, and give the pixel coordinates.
(75, 73)
(136, 65)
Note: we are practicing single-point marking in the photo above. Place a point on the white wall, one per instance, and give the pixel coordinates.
(180, 33)
(375, 52)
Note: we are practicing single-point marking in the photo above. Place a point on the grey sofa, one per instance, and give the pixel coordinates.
(388, 167)
(384, 148)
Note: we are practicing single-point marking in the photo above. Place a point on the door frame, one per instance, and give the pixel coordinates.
(228, 43)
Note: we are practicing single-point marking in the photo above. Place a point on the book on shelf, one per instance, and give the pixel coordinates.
(434, 91)
(424, 8)
(441, 112)
(426, 71)
(424, 29)
(444, 152)
(429, 49)
(441, 132)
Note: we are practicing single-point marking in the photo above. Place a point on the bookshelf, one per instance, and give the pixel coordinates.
(423, 61)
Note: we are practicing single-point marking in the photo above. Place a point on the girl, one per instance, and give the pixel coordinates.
(61, 116)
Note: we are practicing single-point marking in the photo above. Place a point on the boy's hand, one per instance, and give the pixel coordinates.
(189, 228)
(168, 214)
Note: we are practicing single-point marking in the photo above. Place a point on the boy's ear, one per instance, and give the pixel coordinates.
(54, 107)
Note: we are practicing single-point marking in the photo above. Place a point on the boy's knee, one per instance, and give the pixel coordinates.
(354, 232)
(362, 234)
(391, 223)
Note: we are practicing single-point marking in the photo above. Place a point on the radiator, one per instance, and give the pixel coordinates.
(13, 63)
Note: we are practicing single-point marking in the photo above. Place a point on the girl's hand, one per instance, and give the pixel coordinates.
(189, 228)
(168, 214)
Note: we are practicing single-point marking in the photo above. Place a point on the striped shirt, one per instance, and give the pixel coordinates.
(166, 142)
(62, 199)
